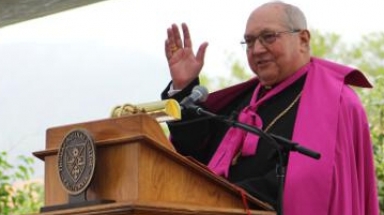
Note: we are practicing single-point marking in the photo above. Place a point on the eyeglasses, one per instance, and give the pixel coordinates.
(265, 38)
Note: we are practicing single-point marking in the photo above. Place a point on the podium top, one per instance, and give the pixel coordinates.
(110, 130)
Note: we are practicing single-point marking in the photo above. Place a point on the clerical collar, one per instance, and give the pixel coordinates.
(264, 90)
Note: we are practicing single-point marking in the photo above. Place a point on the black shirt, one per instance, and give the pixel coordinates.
(199, 137)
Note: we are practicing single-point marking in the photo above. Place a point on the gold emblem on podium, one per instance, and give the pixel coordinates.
(76, 161)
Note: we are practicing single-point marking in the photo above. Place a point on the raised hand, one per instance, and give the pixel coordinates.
(183, 64)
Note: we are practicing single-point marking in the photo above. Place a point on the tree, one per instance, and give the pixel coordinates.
(22, 199)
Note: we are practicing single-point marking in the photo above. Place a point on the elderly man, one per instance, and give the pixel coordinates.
(296, 96)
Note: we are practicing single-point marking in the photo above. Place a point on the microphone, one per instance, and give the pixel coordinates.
(199, 94)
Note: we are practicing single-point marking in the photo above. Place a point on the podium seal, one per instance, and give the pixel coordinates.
(76, 161)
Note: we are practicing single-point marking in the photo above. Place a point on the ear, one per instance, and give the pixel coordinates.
(305, 38)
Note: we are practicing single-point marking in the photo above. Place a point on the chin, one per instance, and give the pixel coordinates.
(267, 77)
(266, 83)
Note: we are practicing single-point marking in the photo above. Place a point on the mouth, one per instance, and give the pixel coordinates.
(261, 63)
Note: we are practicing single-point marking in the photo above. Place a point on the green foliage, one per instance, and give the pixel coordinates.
(17, 195)
(374, 103)
(379, 160)
(238, 74)
(326, 45)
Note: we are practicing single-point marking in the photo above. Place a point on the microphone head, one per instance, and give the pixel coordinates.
(203, 91)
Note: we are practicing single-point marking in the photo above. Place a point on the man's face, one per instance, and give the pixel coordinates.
(279, 51)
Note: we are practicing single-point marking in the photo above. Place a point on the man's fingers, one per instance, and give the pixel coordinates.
(201, 52)
(176, 36)
(187, 36)
(168, 50)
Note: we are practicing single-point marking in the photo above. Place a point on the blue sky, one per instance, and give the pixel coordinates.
(77, 65)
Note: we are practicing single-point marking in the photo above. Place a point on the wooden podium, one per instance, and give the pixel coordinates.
(137, 168)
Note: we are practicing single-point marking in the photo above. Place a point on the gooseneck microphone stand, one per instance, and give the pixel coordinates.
(283, 146)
